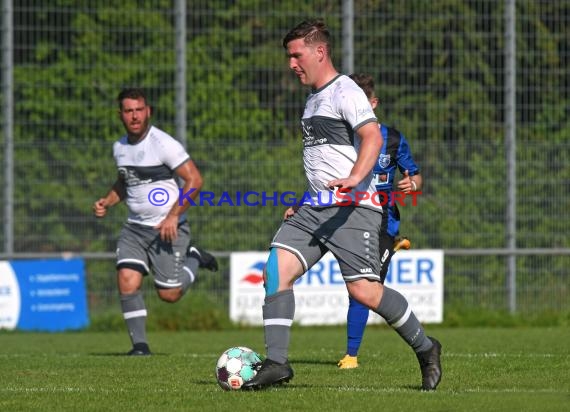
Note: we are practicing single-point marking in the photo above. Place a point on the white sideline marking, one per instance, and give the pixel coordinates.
(77, 355)
(491, 355)
(466, 390)
(13, 389)
(503, 355)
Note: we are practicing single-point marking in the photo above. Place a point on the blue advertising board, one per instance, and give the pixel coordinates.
(43, 295)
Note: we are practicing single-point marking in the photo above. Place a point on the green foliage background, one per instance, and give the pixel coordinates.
(440, 75)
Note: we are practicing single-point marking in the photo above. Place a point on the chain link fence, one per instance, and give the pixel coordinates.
(440, 72)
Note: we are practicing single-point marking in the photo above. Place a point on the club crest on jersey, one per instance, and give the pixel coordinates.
(384, 160)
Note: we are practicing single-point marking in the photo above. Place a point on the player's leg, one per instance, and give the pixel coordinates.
(132, 264)
(172, 274)
(359, 262)
(428, 355)
(356, 319)
(197, 257)
(395, 309)
(281, 270)
(293, 252)
(134, 309)
(357, 315)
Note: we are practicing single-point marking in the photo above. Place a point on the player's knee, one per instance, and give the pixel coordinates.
(129, 281)
(366, 293)
(271, 274)
(170, 295)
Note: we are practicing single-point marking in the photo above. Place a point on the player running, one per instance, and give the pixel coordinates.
(156, 236)
(342, 142)
(395, 154)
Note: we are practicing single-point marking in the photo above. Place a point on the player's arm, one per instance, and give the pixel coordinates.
(115, 195)
(371, 143)
(412, 180)
(193, 181)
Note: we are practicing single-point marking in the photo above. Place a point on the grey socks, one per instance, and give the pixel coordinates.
(278, 313)
(134, 313)
(395, 309)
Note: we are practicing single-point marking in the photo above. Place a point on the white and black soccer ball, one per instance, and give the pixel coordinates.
(236, 366)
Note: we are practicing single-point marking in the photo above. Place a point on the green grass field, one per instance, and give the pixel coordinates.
(485, 369)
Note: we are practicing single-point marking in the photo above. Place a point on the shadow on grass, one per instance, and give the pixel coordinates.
(311, 362)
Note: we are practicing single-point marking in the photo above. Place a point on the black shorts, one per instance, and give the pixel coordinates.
(386, 252)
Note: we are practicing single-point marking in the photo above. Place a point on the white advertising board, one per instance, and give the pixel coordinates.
(320, 294)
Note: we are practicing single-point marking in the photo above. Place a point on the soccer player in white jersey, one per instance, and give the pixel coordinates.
(342, 142)
(156, 236)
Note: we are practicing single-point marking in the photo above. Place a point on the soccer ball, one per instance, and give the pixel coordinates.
(236, 366)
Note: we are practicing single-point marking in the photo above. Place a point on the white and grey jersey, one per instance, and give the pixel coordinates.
(332, 115)
(147, 169)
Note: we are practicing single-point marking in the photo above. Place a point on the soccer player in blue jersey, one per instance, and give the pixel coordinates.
(394, 155)
(341, 142)
(156, 236)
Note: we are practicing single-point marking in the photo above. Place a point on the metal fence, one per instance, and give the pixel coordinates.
(218, 80)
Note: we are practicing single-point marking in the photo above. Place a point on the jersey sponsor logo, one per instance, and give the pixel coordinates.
(316, 105)
(316, 142)
(309, 136)
(364, 112)
(131, 178)
(307, 130)
(366, 270)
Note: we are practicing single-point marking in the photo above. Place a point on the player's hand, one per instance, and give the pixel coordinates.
(168, 228)
(290, 212)
(100, 208)
(346, 183)
(405, 184)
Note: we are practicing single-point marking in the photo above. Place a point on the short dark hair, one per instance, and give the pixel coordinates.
(131, 93)
(365, 82)
(311, 31)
